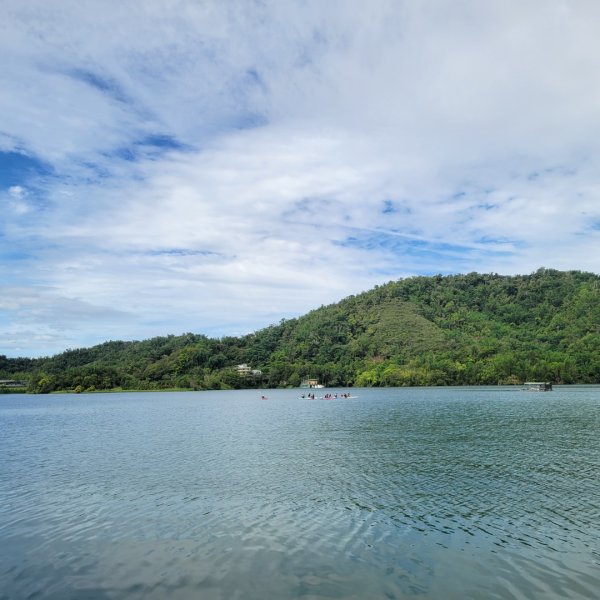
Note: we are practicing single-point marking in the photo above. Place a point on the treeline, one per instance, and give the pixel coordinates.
(454, 330)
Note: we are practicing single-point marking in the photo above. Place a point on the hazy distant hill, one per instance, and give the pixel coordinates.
(460, 329)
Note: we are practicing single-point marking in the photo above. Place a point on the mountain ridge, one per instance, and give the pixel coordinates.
(425, 330)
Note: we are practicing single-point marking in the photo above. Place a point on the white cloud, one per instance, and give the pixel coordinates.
(16, 191)
(17, 200)
(312, 151)
(38, 320)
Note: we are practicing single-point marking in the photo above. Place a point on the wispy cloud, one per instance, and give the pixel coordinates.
(214, 167)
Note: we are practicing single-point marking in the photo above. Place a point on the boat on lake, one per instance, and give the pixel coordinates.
(312, 384)
(537, 386)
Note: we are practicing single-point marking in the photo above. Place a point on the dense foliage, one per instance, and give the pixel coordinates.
(461, 329)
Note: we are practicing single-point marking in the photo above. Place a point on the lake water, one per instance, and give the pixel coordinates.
(429, 493)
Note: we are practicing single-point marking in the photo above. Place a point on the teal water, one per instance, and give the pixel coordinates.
(400, 493)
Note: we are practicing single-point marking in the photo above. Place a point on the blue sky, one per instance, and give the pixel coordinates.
(214, 167)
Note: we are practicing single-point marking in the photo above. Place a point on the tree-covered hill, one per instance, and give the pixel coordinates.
(460, 329)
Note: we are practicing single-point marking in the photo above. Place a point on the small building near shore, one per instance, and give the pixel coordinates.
(12, 383)
(244, 370)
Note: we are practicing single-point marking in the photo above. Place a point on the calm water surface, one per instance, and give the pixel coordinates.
(400, 493)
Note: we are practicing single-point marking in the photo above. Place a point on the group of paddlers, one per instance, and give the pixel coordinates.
(326, 396)
(311, 396)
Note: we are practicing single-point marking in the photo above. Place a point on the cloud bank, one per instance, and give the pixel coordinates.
(213, 167)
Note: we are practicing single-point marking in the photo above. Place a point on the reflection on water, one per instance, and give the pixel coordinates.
(402, 493)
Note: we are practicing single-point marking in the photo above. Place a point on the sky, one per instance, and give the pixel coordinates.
(171, 166)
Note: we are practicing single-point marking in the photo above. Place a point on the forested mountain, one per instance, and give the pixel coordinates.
(459, 329)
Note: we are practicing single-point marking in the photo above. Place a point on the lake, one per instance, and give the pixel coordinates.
(429, 493)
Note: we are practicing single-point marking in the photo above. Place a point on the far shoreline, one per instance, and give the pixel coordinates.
(514, 387)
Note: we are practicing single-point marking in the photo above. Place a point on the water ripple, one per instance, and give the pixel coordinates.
(451, 493)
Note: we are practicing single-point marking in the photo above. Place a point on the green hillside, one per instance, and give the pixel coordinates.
(460, 329)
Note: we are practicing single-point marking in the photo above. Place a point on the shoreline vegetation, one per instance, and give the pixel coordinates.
(474, 329)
